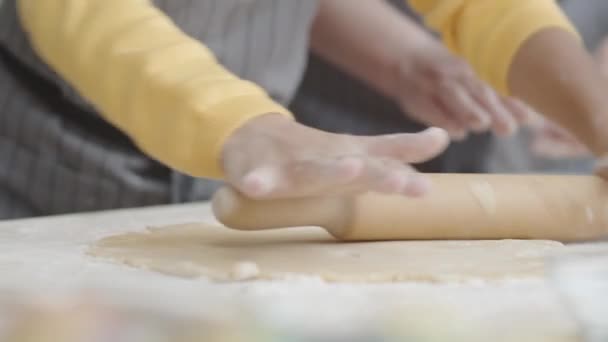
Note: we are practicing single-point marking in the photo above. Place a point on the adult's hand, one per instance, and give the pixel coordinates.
(404, 62)
(439, 89)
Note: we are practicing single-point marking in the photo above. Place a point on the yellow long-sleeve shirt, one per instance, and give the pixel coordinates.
(178, 104)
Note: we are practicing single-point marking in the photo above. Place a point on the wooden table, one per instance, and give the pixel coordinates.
(46, 255)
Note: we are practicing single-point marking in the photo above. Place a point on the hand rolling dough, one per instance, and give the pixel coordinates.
(202, 250)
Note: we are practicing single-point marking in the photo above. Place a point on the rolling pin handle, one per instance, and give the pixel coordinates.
(236, 211)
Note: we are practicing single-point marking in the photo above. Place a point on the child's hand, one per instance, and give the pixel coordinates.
(272, 156)
(549, 140)
(439, 89)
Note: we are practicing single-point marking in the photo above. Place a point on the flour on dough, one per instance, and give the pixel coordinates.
(225, 255)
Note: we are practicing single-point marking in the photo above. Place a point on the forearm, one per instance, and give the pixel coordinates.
(553, 73)
(162, 88)
(343, 34)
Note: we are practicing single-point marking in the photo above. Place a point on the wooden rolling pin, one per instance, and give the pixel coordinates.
(460, 206)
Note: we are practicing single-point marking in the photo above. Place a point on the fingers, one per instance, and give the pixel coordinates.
(552, 141)
(557, 149)
(460, 101)
(523, 114)
(462, 106)
(382, 166)
(475, 103)
(477, 107)
(337, 176)
(297, 161)
(501, 118)
(434, 114)
(409, 148)
(385, 175)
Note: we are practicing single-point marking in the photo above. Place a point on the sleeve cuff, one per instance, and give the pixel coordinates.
(227, 117)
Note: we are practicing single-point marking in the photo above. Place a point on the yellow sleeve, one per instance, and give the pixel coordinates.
(162, 88)
(488, 33)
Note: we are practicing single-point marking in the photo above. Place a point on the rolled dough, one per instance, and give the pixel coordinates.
(226, 255)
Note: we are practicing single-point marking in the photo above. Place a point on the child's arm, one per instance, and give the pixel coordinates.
(528, 49)
(554, 73)
(161, 87)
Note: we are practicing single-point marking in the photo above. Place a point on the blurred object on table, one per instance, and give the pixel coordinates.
(581, 276)
(89, 318)
(85, 319)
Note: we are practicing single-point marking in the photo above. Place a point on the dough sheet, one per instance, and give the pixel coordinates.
(202, 250)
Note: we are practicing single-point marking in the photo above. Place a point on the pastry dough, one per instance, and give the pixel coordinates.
(203, 250)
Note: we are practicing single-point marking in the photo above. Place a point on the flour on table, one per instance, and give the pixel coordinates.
(199, 250)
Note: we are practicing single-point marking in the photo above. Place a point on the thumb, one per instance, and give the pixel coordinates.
(409, 147)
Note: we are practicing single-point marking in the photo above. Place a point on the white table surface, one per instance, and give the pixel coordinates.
(47, 255)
